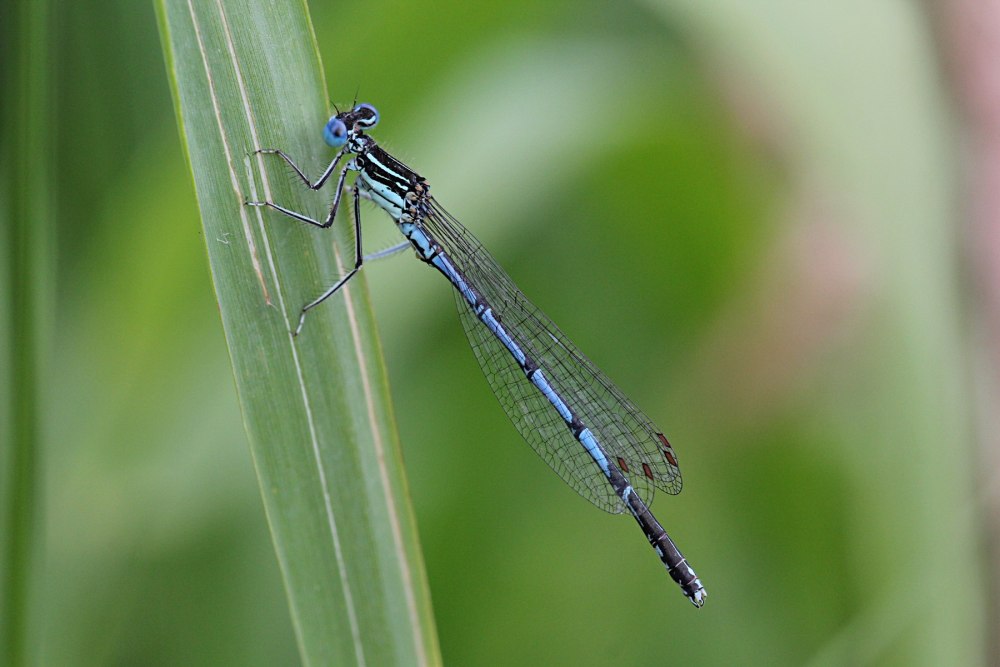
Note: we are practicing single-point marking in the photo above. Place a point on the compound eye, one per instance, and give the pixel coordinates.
(335, 133)
(365, 115)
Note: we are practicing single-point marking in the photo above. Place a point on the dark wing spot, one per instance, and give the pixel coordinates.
(622, 464)
(667, 450)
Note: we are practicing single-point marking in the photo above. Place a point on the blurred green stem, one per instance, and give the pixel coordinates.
(26, 154)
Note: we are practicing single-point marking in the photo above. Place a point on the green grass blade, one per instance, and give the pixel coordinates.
(26, 190)
(246, 75)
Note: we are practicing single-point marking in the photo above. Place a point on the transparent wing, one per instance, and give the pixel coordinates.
(628, 436)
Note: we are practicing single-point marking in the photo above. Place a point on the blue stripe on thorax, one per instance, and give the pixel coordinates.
(386, 197)
(384, 179)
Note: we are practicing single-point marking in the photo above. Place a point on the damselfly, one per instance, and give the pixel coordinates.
(570, 413)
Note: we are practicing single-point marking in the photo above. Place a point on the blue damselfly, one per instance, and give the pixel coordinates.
(570, 413)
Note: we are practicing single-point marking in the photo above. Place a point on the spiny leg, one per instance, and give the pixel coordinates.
(305, 179)
(314, 186)
(359, 260)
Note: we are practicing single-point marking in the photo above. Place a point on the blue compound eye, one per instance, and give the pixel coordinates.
(365, 115)
(335, 133)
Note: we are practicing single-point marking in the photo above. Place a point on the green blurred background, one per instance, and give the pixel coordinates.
(748, 214)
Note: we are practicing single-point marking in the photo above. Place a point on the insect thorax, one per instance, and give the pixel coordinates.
(389, 183)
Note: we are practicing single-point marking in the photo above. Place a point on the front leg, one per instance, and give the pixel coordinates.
(326, 222)
(305, 179)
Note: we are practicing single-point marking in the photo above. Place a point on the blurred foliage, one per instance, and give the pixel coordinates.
(744, 216)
